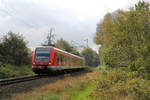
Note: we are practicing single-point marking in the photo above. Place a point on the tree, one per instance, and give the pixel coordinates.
(91, 57)
(13, 49)
(64, 45)
(125, 38)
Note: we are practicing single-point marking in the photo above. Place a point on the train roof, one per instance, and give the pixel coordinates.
(68, 53)
(61, 51)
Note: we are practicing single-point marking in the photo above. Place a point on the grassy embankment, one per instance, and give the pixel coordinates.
(9, 71)
(70, 88)
(104, 84)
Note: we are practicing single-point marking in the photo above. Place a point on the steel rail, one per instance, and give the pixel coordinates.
(18, 80)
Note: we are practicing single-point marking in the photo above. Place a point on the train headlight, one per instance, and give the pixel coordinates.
(49, 63)
(33, 62)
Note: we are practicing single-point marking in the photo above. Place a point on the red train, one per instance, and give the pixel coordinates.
(48, 59)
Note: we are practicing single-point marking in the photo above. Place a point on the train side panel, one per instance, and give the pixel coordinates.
(64, 60)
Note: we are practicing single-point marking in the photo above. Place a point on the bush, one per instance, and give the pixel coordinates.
(8, 71)
(103, 67)
(13, 50)
(89, 69)
(117, 84)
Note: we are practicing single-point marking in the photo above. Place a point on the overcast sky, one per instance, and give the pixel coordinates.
(72, 19)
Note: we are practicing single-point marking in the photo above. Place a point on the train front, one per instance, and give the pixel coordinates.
(41, 60)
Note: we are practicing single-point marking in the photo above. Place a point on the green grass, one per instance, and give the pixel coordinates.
(43, 96)
(82, 91)
(9, 71)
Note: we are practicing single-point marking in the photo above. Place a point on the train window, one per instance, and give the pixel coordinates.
(80, 62)
(71, 61)
(74, 61)
(64, 58)
(59, 59)
(68, 61)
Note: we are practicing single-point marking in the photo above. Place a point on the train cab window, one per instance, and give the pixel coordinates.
(42, 54)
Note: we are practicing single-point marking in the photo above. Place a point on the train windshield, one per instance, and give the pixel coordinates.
(42, 54)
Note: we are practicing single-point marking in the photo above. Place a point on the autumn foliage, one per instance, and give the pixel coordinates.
(125, 38)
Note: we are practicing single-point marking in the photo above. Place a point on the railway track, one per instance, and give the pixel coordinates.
(27, 78)
(25, 84)
(17, 80)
